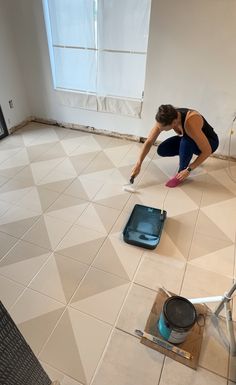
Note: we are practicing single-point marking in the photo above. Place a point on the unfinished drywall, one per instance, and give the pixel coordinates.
(11, 84)
(191, 62)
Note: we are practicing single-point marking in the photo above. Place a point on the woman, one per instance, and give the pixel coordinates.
(194, 136)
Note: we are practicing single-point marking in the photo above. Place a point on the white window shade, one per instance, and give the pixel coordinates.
(98, 48)
(121, 75)
(75, 69)
(72, 22)
(123, 25)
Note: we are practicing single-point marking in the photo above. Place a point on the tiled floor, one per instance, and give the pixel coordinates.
(74, 288)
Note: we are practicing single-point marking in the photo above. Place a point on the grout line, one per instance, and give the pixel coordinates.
(92, 266)
(190, 246)
(115, 323)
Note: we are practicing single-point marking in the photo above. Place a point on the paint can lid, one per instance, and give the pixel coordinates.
(179, 312)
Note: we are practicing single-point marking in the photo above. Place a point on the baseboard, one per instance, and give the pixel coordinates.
(20, 125)
(73, 126)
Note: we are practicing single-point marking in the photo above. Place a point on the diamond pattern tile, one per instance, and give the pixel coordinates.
(74, 288)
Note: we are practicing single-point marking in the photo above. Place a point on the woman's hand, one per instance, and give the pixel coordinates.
(136, 170)
(182, 175)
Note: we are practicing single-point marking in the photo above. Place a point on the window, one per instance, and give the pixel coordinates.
(98, 49)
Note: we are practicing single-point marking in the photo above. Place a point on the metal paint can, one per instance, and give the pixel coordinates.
(177, 319)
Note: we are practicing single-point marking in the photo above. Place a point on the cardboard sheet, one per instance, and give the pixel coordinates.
(193, 342)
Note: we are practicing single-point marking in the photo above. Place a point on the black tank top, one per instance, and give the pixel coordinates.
(206, 128)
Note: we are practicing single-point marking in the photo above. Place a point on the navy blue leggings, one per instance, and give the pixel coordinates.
(183, 146)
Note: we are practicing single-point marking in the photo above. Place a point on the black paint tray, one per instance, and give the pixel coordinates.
(144, 226)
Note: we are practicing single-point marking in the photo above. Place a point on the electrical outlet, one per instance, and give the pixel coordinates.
(11, 103)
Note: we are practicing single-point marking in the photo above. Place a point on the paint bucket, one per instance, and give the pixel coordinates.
(176, 320)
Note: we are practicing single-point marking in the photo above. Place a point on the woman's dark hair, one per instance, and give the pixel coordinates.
(166, 114)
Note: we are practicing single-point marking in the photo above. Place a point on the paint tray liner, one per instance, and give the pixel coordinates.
(144, 226)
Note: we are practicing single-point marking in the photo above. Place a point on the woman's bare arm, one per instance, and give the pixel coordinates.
(193, 128)
(152, 137)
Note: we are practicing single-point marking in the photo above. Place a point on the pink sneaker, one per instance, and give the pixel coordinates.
(173, 182)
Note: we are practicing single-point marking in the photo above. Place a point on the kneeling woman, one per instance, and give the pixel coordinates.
(194, 136)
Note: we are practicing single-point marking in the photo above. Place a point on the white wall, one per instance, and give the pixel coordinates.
(191, 63)
(11, 84)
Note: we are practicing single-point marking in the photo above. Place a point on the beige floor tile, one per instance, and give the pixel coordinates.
(41, 169)
(56, 375)
(136, 309)
(6, 242)
(214, 354)
(70, 144)
(100, 176)
(88, 145)
(118, 258)
(194, 187)
(128, 362)
(11, 172)
(23, 261)
(180, 230)
(199, 282)
(80, 162)
(58, 186)
(3, 180)
(112, 195)
(98, 217)
(132, 155)
(209, 227)
(203, 245)
(157, 270)
(38, 199)
(25, 176)
(59, 277)
(39, 151)
(76, 345)
(215, 192)
(223, 215)
(36, 312)
(46, 135)
(171, 202)
(14, 184)
(67, 208)
(63, 171)
(53, 150)
(177, 374)
(20, 159)
(116, 156)
(219, 261)
(168, 166)
(100, 163)
(83, 188)
(224, 176)
(214, 164)
(120, 223)
(81, 243)
(12, 193)
(47, 232)
(16, 221)
(10, 291)
(121, 175)
(101, 295)
(4, 207)
(7, 153)
(141, 198)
